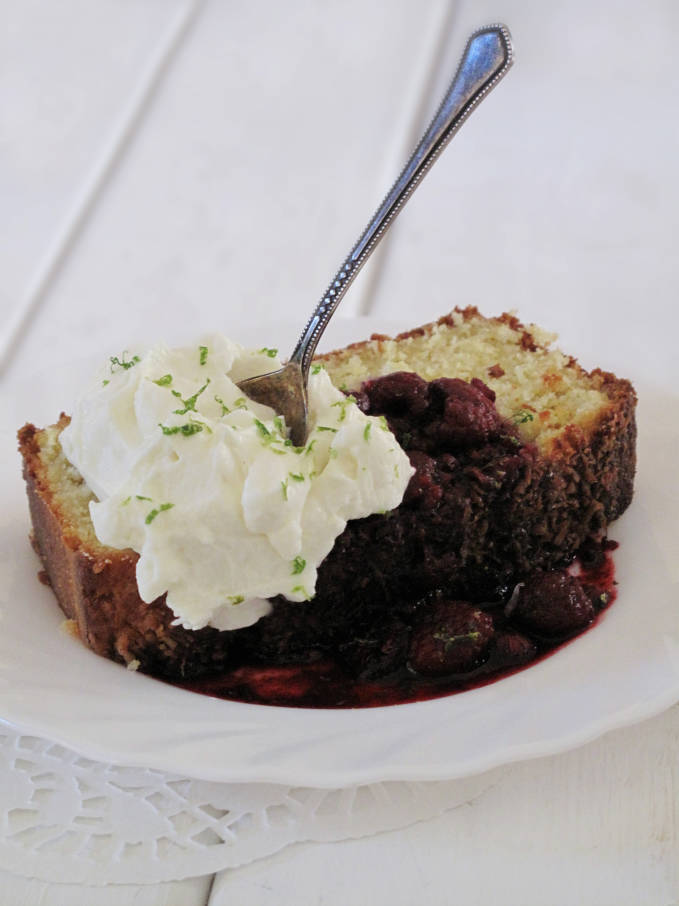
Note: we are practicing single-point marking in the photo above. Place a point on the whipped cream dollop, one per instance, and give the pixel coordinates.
(204, 485)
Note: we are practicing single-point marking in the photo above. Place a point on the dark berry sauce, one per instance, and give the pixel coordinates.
(472, 577)
(460, 646)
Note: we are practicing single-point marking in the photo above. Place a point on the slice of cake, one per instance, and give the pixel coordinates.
(521, 460)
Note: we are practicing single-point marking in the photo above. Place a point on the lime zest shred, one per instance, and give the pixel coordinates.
(220, 401)
(156, 511)
(298, 566)
(237, 404)
(449, 640)
(262, 428)
(343, 406)
(190, 403)
(122, 363)
(185, 430)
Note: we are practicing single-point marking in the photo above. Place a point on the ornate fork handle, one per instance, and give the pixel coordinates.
(486, 59)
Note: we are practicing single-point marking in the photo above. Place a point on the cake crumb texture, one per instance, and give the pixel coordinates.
(536, 386)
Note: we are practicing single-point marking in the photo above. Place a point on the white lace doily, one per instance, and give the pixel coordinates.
(68, 818)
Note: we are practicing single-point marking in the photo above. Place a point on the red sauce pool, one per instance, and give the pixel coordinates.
(325, 684)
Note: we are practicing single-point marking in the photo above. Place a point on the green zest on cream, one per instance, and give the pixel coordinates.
(298, 566)
(350, 400)
(237, 404)
(121, 363)
(247, 525)
(262, 428)
(186, 430)
(190, 403)
(155, 512)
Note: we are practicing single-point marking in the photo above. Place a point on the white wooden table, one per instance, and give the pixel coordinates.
(208, 164)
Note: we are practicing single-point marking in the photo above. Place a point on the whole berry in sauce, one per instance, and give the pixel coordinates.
(553, 604)
(453, 638)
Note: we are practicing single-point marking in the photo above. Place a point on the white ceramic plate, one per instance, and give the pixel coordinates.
(623, 670)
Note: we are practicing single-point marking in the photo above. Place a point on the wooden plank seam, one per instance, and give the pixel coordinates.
(95, 181)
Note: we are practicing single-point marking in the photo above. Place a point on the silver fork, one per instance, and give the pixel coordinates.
(486, 58)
